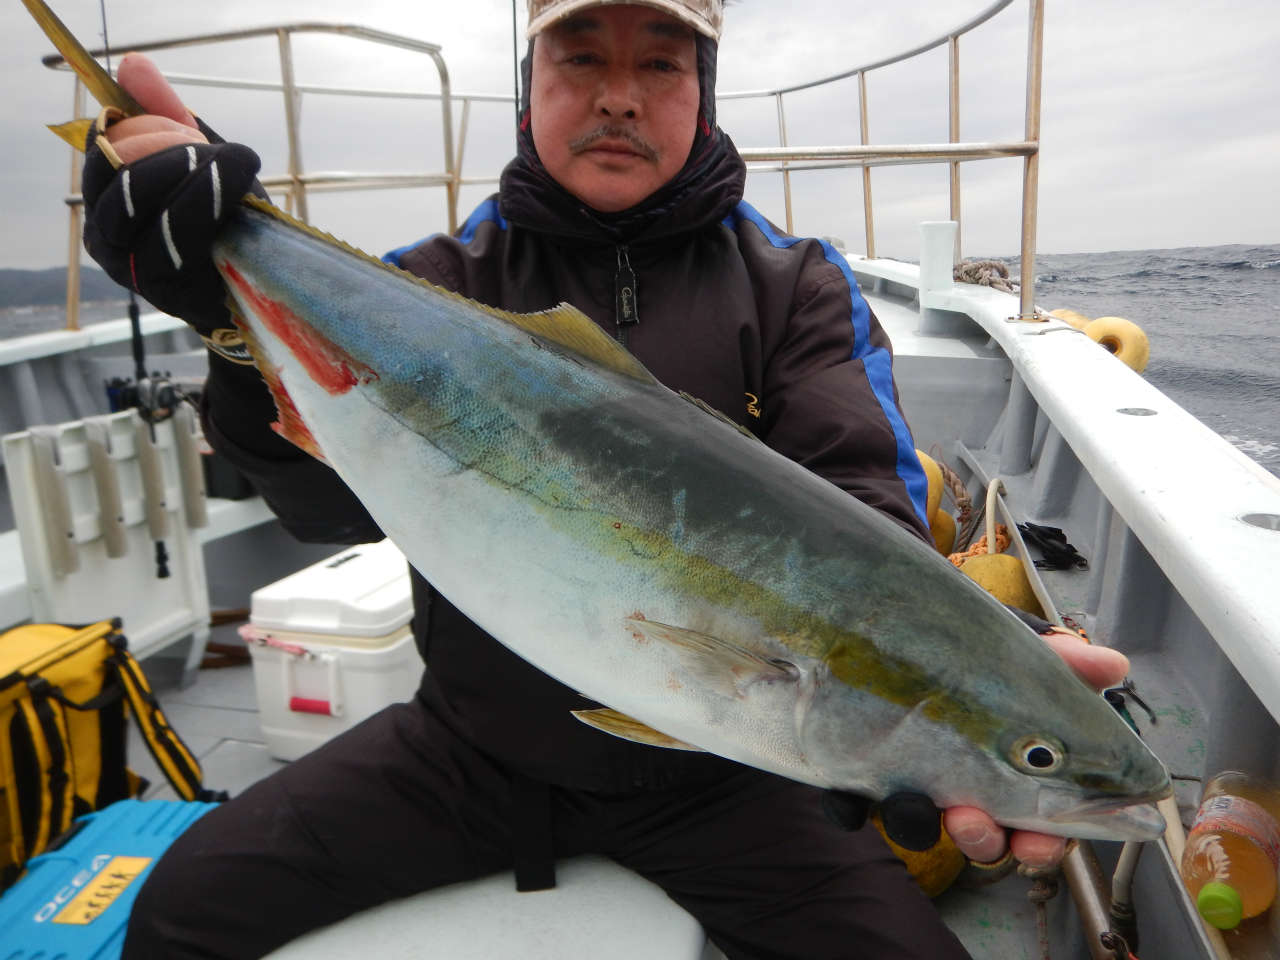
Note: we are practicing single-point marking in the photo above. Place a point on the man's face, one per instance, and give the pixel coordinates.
(614, 103)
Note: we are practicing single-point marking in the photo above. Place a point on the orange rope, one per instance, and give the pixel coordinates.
(980, 545)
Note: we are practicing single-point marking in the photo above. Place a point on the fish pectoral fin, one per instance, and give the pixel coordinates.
(724, 666)
(629, 728)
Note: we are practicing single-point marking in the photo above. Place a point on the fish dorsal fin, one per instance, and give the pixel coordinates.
(722, 417)
(564, 325)
(629, 728)
(572, 329)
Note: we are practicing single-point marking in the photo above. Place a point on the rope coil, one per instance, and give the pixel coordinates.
(985, 273)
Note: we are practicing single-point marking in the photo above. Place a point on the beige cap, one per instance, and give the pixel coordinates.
(705, 16)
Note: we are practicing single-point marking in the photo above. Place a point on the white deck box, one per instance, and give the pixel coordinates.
(331, 646)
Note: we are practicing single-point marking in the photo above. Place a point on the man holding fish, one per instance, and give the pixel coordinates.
(625, 201)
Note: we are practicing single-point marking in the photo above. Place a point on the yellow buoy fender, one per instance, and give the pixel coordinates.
(934, 475)
(1002, 576)
(1122, 337)
(943, 527)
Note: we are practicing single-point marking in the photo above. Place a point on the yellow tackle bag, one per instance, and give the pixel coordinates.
(64, 695)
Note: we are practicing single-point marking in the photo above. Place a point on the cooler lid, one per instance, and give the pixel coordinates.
(362, 591)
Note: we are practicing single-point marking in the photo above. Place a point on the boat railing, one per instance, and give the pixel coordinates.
(296, 183)
(787, 159)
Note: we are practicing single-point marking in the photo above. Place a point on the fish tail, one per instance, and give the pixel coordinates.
(96, 80)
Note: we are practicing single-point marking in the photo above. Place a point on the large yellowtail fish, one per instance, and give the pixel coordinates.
(650, 554)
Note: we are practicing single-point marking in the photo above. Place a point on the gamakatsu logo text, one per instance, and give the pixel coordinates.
(64, 895)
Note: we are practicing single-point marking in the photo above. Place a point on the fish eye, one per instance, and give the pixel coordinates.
(1038, 755)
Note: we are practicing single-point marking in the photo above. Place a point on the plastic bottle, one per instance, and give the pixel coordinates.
(1233, 849)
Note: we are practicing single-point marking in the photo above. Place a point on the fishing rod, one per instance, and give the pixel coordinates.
(153, 398)
(515, 60)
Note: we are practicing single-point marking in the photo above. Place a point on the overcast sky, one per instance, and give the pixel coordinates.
(1161, 118)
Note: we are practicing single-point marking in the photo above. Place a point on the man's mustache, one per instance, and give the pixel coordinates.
(606, 132)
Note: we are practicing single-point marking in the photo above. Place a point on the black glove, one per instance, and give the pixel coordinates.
(911, 820)
(151, 225)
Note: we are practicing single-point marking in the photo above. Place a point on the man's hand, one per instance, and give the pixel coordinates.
(976, 834)
(166, 123)
(912, 821)
(157, 188)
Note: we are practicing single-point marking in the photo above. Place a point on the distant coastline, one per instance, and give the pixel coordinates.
(48, 287)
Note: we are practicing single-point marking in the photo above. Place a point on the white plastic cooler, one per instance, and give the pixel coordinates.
(331, 646)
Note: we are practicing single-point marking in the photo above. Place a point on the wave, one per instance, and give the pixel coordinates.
(1250, 264)
(1073, 278)
(1260, 450)
(1191, 264)
(1240, 382)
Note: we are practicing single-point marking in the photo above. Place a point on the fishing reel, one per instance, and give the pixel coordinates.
(155, 397)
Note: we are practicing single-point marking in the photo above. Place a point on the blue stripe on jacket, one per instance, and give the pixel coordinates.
(876, 361)
(487, 212)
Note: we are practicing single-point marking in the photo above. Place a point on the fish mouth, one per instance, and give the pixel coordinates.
(1111, 818)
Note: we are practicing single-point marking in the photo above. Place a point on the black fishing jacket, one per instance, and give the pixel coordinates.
(715, 301)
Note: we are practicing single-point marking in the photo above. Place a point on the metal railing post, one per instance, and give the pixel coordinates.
(453, 174)
(297, 190)
(1031, 165)
(953, 91)
(866, 171)
(786, 174)
(74, 225)
(462, 134)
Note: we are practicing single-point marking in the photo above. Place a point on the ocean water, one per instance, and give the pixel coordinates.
(1212, 315)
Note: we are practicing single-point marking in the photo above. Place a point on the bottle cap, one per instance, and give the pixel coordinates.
(1219, 904)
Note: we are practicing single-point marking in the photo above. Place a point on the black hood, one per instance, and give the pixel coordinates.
(708, 186)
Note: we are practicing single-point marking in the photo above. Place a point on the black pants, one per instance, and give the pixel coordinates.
(400, 804)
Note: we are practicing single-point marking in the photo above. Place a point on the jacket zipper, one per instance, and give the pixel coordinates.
(626, 311)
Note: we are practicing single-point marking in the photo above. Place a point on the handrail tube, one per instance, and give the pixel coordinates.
(786, 174)
(953, 125)
(327, 181)
(913, 151)
(74, 231)
(357, 181)
(863, 128)
(292, 107)
(978, 20)
(380, 93)
(446, 113)
(462, 138)
(344, 29)
(761, 166)
(1031, 166)
(274, 86)
(332, 181)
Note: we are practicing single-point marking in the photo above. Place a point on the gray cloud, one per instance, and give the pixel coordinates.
(1159, 117)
